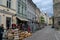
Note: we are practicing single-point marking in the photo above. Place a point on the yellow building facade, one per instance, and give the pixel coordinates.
(38, 15)
(50, 21)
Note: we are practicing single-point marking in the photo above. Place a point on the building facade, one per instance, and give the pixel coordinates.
(7, 13)
(18, 11)
(56, 13)
(46, 18)
(31, 10)
(38, 12)
(31, 14)
(21, 11)
(50, 21)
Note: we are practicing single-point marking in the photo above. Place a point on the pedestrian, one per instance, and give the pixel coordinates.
(1, 32)
(18, 26)
(29, 30)
(13, 26)
(23, 27)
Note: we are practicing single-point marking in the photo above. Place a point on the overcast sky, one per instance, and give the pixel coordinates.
(45, 6)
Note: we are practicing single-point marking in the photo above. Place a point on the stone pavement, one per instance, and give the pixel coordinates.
(57, 35)
(45, 34)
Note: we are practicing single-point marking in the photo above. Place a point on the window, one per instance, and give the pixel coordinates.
(9, 3)
(18, 2)
(20, 8)
(23, 10)
(24, 1)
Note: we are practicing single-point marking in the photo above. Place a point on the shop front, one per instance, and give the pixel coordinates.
(7, 17)
(32, 25)
(6, 20)
(22, 22)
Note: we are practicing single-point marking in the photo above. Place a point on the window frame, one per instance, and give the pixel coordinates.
(9, 3)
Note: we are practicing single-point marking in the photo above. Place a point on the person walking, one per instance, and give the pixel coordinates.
(23, 27)
(18, 26)
(1, 32)
(29, 30)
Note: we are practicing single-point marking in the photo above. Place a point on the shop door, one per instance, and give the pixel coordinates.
(8, 22)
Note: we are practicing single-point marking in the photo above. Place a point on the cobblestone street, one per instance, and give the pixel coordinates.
(45, 34)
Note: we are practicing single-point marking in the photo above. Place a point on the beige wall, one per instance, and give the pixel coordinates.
(3, 18)
(10, 10)
(50, 21)
(13, 3)
(3, 2)
(38, 14)
(9, 13)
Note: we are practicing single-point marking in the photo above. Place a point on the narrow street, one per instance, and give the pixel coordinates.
(45, 34)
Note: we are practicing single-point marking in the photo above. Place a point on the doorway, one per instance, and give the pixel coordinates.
(8, 22)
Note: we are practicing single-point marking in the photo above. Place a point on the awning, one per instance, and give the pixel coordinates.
(23, 19)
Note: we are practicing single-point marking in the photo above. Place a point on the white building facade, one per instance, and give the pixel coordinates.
(7, 13)
(24, 10)
(31, 14)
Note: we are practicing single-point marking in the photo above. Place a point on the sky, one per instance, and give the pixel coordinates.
(46, 6)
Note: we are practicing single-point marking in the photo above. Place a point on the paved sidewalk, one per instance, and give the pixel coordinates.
(45, 34)
(57, 35)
